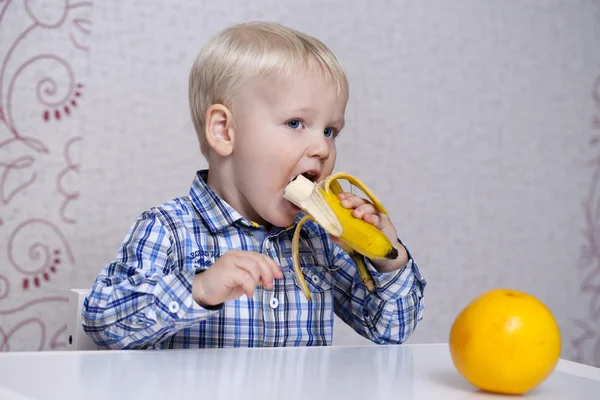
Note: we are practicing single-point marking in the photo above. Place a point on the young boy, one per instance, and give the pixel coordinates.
(214, 268)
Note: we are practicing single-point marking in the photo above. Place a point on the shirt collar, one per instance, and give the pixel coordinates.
(216, 212)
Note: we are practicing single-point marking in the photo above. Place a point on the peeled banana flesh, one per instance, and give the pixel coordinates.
(320, 203)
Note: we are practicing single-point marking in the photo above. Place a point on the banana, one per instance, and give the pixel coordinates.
(363, 271)
(321, 204)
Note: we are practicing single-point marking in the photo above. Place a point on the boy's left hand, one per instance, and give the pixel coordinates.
(368, 213)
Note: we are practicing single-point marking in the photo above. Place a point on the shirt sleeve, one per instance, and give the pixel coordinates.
(391, 313)
(143, 296)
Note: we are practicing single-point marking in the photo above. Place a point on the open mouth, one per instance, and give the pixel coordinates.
(311, 175)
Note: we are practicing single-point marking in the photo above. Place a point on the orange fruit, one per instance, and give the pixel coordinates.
(505, 341)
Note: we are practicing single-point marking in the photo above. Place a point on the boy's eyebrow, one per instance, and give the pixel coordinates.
(340, 122)
(302, 109)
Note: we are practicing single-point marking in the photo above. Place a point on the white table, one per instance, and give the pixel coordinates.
(370, 372)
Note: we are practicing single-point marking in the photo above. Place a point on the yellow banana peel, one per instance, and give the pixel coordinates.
(358, 238)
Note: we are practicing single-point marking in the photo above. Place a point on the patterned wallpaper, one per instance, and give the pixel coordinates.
(43, 53)
(470, 120)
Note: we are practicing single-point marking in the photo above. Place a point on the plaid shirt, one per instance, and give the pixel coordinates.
(143, 298)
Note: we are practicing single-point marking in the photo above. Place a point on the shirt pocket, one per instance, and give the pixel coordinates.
(318, 277)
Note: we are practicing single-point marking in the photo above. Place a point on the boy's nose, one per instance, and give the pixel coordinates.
(319, 148)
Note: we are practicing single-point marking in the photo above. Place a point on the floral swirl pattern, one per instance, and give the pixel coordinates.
(70, 167)
(40, 89)
(20, 332)
(42, 258)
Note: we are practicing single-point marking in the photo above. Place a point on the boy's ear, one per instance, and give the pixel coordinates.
(219, 129)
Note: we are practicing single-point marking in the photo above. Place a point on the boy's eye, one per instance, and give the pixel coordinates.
(328, 132)
(294, 124)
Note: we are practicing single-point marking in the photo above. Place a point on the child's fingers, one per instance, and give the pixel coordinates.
(269, 270)
(364, 209)
(262, 268)
(250, 266)
(244, 279)
(360, 206)
(350, 200)
(276, 270)
(373, 219)
(249, 286)
(266, 271)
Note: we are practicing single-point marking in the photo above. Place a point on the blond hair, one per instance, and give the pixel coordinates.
(255, 49)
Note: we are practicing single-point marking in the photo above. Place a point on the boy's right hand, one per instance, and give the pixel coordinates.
(237, 272)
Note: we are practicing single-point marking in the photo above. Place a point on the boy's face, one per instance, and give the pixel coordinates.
(283, 128)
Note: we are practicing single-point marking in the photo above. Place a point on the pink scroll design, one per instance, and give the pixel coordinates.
(47, 93)
(6, 336)
(43, 258)
(35, 246)
(70, 167)
(46, 88)
(589, 328)
(17, 164)
(4, 287)
(35, 322)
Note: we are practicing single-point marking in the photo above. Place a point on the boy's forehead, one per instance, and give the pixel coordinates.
(304, 92)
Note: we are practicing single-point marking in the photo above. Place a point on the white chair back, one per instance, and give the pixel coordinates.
(77, 339)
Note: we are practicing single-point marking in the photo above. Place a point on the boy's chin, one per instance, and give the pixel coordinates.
(283, 220)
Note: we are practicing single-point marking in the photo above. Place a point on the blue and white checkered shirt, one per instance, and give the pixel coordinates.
(143, 299)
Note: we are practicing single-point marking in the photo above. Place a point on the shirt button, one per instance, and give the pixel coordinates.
(174, 307)
(274, 302)
(315, 279)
